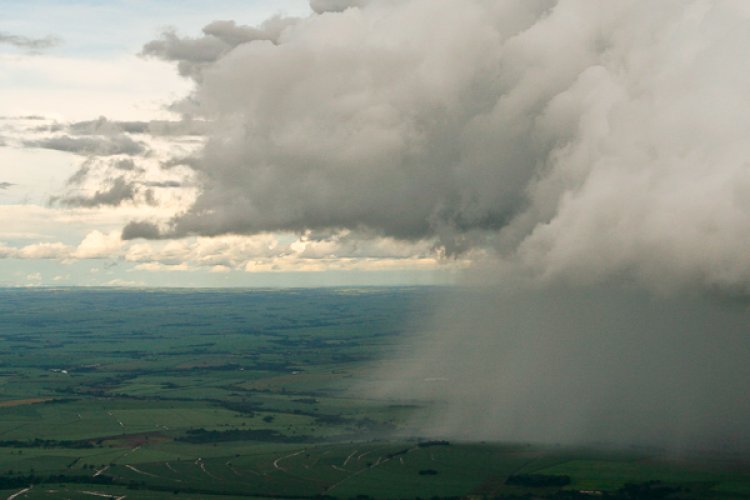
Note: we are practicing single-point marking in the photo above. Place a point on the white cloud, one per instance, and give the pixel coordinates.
(124, 283)
(57, 251)
(269, 252)
(34, 278)
(98, 245)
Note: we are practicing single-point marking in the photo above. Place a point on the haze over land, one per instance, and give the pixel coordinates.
(585, 163)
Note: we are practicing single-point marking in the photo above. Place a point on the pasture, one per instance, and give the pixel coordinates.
(252, 393)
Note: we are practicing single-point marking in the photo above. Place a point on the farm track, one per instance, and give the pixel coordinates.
(349, 457)
(100, 494)
(101, 471)
(19, 493)
(278, 460)
(379, 462)
(119, 422)
(139, 471)
(236, 472)
(200, 463)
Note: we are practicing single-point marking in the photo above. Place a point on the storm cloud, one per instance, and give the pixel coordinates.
(575, 141)
(590, 157)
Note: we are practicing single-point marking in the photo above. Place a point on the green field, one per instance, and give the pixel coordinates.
(249, 393)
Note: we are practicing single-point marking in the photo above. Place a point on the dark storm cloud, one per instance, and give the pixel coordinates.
(317, 81)
(597, 154)
(5, 185)
(23, 42)
(466, 123)
(116, 144)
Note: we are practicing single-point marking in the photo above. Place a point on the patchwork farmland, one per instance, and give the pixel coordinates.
(255, 393)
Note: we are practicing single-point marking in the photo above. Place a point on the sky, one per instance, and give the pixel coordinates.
(66, 192)
(354, 141)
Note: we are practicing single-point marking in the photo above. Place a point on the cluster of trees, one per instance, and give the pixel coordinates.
(45, 443)
(201, 436)
(427, 444)
(647, 490)
(630, 491)
(537, 480)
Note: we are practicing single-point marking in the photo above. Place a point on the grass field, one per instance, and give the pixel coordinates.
(238, 393)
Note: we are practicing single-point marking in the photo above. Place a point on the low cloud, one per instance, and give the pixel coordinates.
(268, 252)
(106, 169)
(118, 144)
(156, 128)
(119, 191)
(42, 251)
(140, 229)
(33, 44)
(24, 117)
(219, 38)
(95, 245)
(5, 185)
(98, 245)
(103, 126)
(111, 190)
(258, 253)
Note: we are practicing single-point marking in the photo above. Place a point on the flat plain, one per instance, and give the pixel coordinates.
(126, 393)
